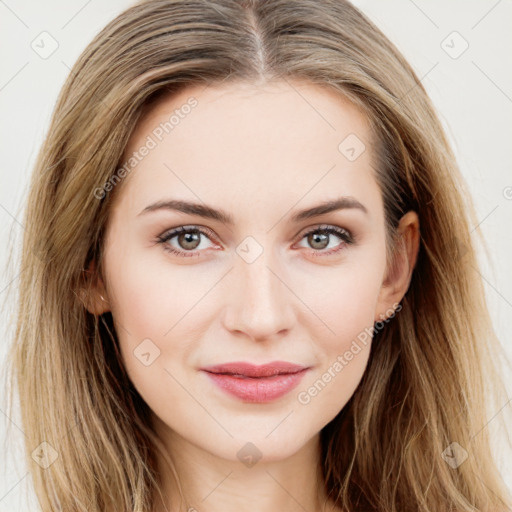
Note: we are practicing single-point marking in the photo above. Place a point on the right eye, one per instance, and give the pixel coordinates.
(188, 239)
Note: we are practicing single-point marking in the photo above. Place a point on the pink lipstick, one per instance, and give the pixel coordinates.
(256, 384)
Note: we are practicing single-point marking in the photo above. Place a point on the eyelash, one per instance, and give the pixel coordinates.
(345, 236)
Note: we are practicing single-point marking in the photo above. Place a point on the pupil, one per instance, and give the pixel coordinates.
(319, 238)
(189, 238)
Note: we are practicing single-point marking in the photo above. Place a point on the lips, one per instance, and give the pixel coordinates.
(256, 384)
(247, 370)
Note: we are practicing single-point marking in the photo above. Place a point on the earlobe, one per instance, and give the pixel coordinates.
(92, 294)
(399, 272)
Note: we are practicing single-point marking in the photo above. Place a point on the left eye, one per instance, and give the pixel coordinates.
(320, 237)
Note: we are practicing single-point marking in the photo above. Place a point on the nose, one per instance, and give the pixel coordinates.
(260, 303)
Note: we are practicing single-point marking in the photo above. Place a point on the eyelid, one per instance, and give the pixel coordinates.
(171, 232)
(326, 227)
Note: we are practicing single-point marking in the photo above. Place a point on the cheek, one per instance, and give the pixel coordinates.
(150, 298)
(345, 303)
(343, 298)
(157, 307)
(327, 392)
(342, 356)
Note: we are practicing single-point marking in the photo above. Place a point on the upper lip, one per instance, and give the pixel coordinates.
(251, 370)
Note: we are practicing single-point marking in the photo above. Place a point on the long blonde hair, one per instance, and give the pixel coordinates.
(432, 375)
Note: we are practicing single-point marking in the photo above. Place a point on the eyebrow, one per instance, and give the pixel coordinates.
(208, 212)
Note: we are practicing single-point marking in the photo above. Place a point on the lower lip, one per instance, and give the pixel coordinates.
(258, 390)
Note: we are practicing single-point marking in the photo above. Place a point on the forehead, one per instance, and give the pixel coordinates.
(287, 139)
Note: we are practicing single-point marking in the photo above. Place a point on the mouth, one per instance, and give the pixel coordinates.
(256, 384)
(249, 370)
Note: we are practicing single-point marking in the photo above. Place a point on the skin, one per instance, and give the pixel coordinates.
(261, 153)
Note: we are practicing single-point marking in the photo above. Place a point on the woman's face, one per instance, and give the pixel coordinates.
(267, 286)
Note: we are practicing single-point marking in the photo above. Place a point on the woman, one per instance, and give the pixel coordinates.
(249, 277)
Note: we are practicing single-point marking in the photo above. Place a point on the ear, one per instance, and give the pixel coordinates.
(93, 293)
(398, 274)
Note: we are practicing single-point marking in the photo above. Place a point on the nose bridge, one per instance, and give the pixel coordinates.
(260, 304)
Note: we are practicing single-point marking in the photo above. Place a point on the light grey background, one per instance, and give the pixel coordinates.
(472, 92)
